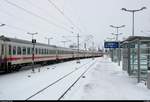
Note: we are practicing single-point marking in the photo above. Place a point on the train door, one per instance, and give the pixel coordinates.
(3, 60)
(57, 54)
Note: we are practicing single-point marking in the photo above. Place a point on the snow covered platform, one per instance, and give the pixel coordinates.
(103, 81)
(107, 81)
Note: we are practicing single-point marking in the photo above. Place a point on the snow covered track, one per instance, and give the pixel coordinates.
(63, 78)
(76, 81)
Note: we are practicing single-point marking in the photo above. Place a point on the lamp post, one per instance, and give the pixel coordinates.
(117, 28)
(48, 39)
(116, 35)
(110, 38)
(33, 43)
(64, 42)
(148, 32)
(133, 15)
(1, 25)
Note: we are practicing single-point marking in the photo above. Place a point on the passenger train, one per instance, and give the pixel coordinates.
(16, 53)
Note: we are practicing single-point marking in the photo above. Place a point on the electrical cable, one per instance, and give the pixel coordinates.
(64, 15)
(36, 15)
(43, 10)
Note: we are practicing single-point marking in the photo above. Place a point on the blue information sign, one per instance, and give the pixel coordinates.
(111, 44)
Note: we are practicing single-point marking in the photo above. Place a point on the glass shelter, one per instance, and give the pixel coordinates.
(136, 56)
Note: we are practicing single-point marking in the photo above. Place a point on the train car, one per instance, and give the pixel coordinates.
(15, 53)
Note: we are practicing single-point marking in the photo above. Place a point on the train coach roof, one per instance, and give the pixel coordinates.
(29, 42)
(22, 41)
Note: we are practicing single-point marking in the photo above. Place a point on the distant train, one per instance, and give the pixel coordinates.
(16, 53)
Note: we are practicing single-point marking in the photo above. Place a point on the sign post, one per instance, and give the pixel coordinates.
(111, 44)
(114, 45)
(33, 53)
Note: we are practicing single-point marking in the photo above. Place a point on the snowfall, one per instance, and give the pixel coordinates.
(104, 80)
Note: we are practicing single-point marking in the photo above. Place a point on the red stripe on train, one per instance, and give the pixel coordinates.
(27, 58)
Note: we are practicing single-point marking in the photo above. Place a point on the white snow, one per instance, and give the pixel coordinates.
(104, 81)
(18, 86)
(107, 81)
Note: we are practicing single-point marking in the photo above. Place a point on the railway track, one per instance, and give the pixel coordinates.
(67, 90)
(62, 78)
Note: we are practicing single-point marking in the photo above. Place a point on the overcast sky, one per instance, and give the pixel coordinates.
(92, 17)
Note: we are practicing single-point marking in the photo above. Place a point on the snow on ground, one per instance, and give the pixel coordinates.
(23, 84)
(107, 81)
(104, 81)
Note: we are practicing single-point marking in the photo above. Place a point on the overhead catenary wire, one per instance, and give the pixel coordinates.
(36, 15)
(59, 10)
(7, 13)
(14, 27)
(43, 10)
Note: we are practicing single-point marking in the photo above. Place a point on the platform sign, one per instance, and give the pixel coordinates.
(33, 41)
(111, 44)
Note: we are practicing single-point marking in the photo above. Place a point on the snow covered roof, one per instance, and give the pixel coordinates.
(132, 38)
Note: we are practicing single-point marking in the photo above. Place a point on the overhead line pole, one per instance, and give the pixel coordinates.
(78, 46)
(33, 49)
(78, 42)
(118, 51)
(48, 40)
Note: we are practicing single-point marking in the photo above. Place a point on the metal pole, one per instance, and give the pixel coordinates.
(133, 12)
(48, 41)
(64, 43)
(119, 54)
(133, 23)
(93, 51)
(33, 58)
(117, 34)
(139, 70)
(78, 61)
(33, 50)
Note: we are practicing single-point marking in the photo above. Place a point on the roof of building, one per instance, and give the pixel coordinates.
(133, 38)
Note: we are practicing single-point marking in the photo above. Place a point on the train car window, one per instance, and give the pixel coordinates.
(14, 50)
(2, 52)
(44, 51)
(10, 50)
(24, 50)
(54, 51)
(47, 51)
(18, 50)
(36, 51)
(28, 51)
(39, 51)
